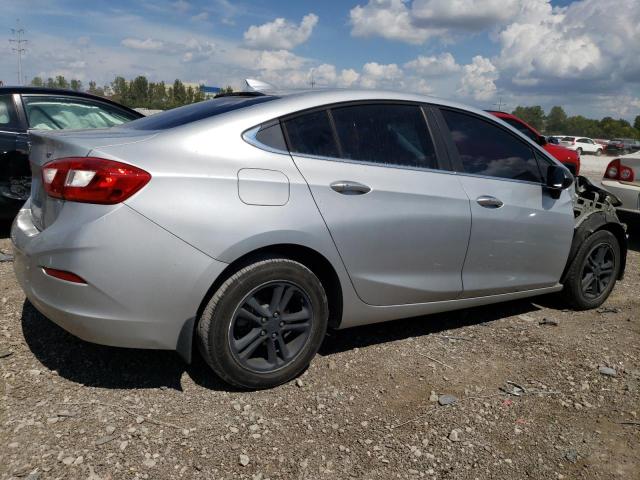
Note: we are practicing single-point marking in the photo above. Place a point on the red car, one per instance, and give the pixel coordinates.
(568, 158)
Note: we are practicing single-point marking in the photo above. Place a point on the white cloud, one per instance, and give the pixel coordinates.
(590, 46)
(376, 75)
(280, 34)
(419, 20)
(201, 17)
(146, 44)
(478, 79)
(181, 5)
(473, 15)
(389, 19)
(443, 64)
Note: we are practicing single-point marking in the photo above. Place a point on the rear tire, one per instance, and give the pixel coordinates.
(579, 151)
(254, 340)
(593, 271)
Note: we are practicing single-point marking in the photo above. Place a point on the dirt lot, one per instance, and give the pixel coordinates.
(364, 409)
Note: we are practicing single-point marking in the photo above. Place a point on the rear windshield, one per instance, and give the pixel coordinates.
(194, 112)
(567, 139)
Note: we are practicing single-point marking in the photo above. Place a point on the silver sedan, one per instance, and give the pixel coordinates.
(253, 222)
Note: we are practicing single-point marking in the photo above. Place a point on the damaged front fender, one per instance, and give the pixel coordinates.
(594, 209)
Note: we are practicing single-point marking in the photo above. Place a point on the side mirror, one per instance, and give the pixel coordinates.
(542, 140)
(558, 178)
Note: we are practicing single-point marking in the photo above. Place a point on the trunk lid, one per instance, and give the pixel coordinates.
(47, 146)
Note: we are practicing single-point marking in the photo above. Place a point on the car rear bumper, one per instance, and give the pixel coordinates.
(144, 285)
(629, 195)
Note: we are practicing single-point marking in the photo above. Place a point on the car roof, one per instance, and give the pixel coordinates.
(8, 90)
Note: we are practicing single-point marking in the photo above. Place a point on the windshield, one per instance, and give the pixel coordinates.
(567, 139)
(196, 111)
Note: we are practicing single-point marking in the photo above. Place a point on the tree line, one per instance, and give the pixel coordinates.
(136, 93)
(556, 122)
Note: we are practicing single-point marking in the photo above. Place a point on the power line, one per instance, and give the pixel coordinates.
(499, 104)
(18, 41)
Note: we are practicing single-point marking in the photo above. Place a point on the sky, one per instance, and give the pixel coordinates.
(583, 55)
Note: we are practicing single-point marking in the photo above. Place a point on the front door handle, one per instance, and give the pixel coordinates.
(347, 187)
(488, 201)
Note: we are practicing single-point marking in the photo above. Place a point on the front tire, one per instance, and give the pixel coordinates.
(598, 152)
(264, 324)
(593, 271)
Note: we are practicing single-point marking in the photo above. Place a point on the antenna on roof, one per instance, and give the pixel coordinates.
(258, 85)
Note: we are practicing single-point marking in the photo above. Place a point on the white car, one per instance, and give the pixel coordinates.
(622, 178)
(581, 145)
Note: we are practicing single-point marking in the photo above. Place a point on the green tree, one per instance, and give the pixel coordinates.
(95, 89)
(139, 92)
(75, 85)
(61, 82)
(120, 91)
(636, 123)
(556, 121)
(534, 116)
(51, 83)
(179, 94)
(37, 82)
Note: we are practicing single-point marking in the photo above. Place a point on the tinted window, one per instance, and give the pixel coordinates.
(386, 134)
(271, 136)
(521, 128)
(196, 111)
(57, 113)
(311, 134)
(486, 149)
(8, 117)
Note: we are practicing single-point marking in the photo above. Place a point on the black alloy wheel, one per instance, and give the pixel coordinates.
(598, 271)
(270, 327)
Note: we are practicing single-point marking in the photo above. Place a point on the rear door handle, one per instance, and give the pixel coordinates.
(347, 187)
(488, 201)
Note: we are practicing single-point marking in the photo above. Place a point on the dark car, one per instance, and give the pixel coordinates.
(622, 146)
(23, 108)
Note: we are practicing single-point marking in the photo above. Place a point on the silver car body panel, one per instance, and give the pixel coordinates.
(214, 198)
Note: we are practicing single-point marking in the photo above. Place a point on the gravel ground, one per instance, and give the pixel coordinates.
(593, 167)
(368, 406)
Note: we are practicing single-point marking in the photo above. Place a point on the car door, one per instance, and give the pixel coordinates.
(15, 177)
(399, 221)
(520, 235)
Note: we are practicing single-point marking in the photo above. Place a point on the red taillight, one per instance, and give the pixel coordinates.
(92, 180)
(617, 171)
(64, 275)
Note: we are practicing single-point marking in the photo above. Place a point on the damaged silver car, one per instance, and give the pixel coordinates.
(247, 225)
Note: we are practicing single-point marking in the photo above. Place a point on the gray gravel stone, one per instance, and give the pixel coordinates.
(447, 399)
(608, 371)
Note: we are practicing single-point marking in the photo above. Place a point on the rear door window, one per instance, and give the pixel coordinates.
(312, 134)
(60, 113)
(486, 149)
(8, 114)
(385, 134)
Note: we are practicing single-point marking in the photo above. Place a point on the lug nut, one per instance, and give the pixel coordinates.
(263, 332)
(274, 335)
(281, 324)
(264, 320)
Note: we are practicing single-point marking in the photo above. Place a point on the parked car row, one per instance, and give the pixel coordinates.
(23, 108)
(596, 146)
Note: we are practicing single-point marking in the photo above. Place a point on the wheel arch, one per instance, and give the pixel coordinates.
(312, 259)
(594, 223)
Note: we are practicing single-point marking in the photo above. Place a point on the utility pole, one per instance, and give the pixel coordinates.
(18, 41)
(499, 104)
(313, 82)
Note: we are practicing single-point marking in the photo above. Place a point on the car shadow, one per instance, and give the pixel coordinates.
(123, 368)
(109, 367)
